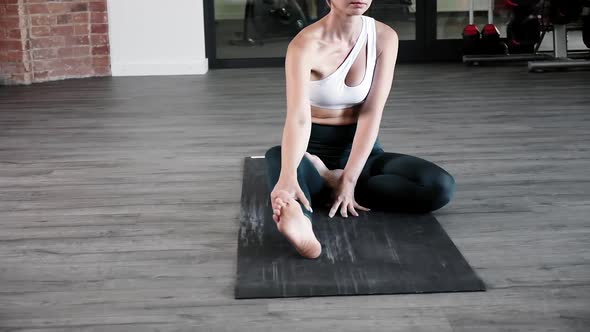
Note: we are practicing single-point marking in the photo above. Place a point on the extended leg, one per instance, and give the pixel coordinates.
(295, 219)
(308, 177)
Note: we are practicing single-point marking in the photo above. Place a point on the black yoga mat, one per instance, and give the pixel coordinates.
(375, 253)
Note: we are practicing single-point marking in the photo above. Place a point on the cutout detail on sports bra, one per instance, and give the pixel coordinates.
(332, 92)
(359, 40)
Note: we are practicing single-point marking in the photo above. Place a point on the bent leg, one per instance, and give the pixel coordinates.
(309, 179)
(404, 183)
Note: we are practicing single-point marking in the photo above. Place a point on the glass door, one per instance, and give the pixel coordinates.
(407, 18)
(253, 33)
(448, 18)
(451, 16)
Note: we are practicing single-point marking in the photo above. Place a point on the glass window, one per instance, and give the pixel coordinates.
(398, 14)
(453, 16)
(264, 28)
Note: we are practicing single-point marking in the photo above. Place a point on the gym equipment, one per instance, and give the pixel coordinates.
(523, 33)
(375, 253)
(490, 35)
(560, 58)
(524, 29)
(521, 7)
(271, 19)
(563, 12)
(471, 35)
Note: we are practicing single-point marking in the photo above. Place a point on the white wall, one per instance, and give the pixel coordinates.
(156, 37)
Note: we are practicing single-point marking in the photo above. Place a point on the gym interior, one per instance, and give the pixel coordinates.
(132, 147)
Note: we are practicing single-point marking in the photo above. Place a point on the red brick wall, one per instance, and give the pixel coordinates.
(63, 39)
(14, 65)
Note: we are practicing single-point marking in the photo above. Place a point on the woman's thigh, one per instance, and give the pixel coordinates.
(400, 182)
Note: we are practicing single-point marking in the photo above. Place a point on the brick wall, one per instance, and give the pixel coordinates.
(14, 66)
(59, 39)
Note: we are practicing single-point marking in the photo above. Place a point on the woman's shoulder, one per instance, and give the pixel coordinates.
(386, 36)
(306, 42)
(384, 31)
(308, 36)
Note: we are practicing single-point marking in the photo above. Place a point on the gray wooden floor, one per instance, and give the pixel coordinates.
(119, 200)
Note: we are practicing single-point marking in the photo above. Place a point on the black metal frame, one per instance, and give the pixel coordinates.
(424, 48)
(440, 50)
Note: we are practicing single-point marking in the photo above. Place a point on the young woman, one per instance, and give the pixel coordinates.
(339, 72)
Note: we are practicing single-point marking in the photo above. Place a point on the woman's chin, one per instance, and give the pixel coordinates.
(356, 12)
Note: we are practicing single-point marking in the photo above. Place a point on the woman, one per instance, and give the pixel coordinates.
(339, 73)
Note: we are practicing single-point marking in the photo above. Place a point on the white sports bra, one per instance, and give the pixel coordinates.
(331, 92)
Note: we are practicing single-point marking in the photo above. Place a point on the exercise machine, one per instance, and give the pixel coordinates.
(524, 33)
(270, 20)
(523, 23)
(562, 14)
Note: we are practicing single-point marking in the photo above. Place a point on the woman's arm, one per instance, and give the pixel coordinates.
(372, 109)
(298, 122)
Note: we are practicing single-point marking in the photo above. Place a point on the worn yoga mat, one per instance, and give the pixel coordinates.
(375, 253)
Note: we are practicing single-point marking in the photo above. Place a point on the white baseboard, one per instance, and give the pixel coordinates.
(159, 69)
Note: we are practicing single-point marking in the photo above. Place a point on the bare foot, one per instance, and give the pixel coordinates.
(276, 212)
(297, 228)
(330, 175)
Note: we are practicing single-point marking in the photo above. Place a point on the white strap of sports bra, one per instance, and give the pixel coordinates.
(356, 49)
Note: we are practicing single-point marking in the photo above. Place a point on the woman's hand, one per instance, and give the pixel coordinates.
(344, 199)
(285, 188)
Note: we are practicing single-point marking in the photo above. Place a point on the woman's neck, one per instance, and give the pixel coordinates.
(342, 28)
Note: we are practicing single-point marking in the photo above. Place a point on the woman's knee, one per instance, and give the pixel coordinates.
(273, 165)
(443, 189)
(273, 153)
(273, 157)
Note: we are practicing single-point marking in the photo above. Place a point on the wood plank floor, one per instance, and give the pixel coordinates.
(119, 201)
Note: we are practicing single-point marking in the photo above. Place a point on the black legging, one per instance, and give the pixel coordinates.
(389, 181)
